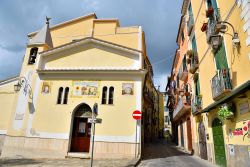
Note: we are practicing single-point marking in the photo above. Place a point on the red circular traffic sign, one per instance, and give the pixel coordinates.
(136, 114)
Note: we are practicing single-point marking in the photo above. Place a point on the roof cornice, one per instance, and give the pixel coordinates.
(86, 40)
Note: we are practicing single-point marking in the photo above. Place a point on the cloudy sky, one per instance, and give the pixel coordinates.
(159, 19)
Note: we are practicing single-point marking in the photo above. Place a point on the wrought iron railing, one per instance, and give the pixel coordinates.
(194, 64)
(183, 71)
(212, 22)
(196, 104)
(179, 106)
(221, 83)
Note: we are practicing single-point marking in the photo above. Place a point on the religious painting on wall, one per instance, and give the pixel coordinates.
(85, 88)
(127, 89)
(46, 87)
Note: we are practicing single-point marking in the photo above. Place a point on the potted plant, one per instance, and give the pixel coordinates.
(225, 112)
(190, 53)
(204, 27)
(209, 11)
(188, 60)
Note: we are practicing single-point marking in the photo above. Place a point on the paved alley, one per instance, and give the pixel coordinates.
(163, 154)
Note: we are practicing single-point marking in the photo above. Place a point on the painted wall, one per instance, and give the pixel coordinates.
(238, 61)
(7, 96)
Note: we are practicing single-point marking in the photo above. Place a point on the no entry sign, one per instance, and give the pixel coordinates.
(136, 115)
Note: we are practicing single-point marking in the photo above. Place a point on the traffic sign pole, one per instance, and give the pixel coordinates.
(95, 111)
(136, 138)
(137, 116)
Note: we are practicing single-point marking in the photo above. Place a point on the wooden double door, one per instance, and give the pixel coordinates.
(202, 141)
(81, 133)
(219, 145)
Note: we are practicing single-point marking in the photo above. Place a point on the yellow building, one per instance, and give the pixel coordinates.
(68, 68)
(219, 35)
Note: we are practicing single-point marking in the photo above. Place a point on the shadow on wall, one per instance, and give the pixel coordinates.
(19, 162)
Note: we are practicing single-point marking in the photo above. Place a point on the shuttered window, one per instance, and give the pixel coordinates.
(197, 87)
(220, 58)
(194, 46)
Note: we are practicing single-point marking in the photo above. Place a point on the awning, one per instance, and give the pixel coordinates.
(234, 93)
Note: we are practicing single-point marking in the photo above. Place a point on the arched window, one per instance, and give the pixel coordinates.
(104, 95)
(111, 95)
(59, 97)
(66, 93)
(33, 54)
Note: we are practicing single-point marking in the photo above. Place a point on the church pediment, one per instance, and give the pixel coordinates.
(89, 54)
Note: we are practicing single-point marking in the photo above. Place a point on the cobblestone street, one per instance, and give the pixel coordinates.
(163, 154)
(70, 162)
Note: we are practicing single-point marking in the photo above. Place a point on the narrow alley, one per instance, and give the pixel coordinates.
(163, 153)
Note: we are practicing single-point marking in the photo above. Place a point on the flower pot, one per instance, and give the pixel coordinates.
(209, 11)
(188, 60)
(190, 53)
(204, 27)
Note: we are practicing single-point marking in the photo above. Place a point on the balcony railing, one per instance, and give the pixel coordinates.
(181, 107)
(183, 72)
(197, 104)
(212, 22)
(194, 64)
(221, 84)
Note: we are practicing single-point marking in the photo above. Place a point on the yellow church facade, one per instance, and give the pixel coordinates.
(67, 68)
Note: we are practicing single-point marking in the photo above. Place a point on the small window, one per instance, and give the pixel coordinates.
(111, 95)
(66, 93)
(59, 97)
(104, 95)
(33, 54)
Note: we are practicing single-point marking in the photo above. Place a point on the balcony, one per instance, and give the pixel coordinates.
(196, 104)
(182, 107)
(221, 84)
(212, 25)
(194, 64)
(183, 72)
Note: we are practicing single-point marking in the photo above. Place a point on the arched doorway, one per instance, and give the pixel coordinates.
(219, 146)
(202, 141)
(182, 134)
(189, 135)
(81, 129)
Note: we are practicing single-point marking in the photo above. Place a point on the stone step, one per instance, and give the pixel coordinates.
(82, 155)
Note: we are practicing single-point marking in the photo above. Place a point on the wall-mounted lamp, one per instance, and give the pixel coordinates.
(22, 82)
(223, 27)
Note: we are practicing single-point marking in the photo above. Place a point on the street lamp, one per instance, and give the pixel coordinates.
(22, 82)
(222, 27)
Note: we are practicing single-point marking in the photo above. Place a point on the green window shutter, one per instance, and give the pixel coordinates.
(220, 58)
(197, 87)
(194, 46)
(190, 12)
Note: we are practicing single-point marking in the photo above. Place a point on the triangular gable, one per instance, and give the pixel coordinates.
(90, 53)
